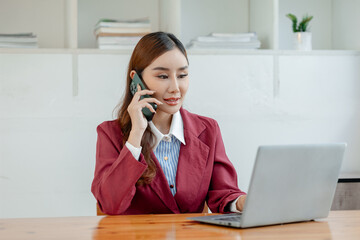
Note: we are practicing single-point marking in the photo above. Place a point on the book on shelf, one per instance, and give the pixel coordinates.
(134, 31)
(128, 40)
(138, 23)
(17, 34)
(246, 34)
(17, 45)
(226, 45)
(18, 40)
(226, 41)
(131, 26)
(120, 34)
(227, 37)
(116, 46)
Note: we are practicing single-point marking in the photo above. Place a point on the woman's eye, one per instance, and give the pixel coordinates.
(183, 75)
(162, 76)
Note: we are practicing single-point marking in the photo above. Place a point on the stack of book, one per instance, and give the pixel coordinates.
(120, 34)
(18, 40)
(226, 41)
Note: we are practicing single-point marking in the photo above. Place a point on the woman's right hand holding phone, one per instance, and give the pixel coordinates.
(138, 120)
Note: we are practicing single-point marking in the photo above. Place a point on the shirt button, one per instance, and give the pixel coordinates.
(165, 158)
(171, 186)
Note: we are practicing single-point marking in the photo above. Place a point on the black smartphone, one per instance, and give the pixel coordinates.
(133, 89)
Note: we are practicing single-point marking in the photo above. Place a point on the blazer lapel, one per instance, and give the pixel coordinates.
(192, 159)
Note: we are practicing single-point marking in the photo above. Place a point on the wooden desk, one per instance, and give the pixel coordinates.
(339, 225)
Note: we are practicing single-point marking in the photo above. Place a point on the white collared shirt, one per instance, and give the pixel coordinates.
(176, 129)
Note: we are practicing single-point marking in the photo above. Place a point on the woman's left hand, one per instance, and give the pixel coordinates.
(241, 202)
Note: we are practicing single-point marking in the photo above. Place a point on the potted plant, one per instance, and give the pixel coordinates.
(302, 38)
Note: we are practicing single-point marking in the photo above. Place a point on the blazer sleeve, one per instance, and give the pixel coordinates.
(223, 186)
(116, 172)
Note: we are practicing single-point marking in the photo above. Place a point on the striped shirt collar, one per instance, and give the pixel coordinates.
(176, 130)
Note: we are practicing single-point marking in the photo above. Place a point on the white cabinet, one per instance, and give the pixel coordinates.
(69, 23)
(56, 131)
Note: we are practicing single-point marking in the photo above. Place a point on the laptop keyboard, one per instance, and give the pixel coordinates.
(236, 218)
(230, 219)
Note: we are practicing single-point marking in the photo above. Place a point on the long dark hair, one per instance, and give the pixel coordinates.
(150, 47)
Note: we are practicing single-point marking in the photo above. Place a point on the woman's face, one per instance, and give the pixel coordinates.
(167, 75)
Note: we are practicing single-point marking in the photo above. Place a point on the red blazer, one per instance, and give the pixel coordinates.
(204, 173)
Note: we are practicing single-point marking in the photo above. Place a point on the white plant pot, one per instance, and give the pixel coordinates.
(302, 41)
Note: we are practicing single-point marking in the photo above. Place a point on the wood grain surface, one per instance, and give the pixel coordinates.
(339, 225)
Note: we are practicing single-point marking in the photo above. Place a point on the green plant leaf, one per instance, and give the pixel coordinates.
(304, 23)
(294, 21)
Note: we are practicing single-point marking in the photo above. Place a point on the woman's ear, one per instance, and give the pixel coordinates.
(132, 73)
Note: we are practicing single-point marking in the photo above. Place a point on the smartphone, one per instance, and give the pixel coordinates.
(133, 89)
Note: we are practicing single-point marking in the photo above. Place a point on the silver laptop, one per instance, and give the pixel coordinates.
(289, 183)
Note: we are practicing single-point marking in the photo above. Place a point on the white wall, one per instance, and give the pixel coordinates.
(263, 19)
(345, 32)
(48, 136)
(201, 17)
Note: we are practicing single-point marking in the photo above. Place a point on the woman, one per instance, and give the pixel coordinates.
(172, 164)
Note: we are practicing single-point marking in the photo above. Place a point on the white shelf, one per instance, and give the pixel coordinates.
(69, 23)
(190, 52)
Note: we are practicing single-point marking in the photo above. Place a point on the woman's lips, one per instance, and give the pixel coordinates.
(172, 101)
